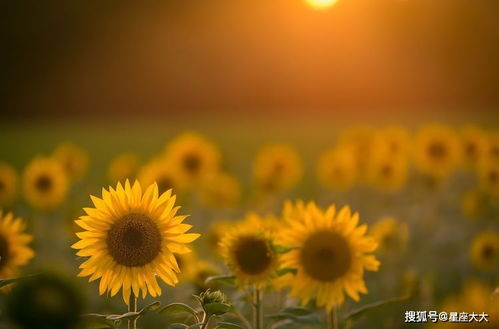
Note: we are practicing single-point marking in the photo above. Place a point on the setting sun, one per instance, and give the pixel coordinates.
(321, 4)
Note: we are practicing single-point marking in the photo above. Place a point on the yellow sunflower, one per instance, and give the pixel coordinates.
(488, 176)
(221, 190)
(388, 172)
(249, 253)
(392, 140)
(337, 169)
(130, 238)
(437, 151)
(485, 250)
(390, 234)
(330, 256)
(193, 156)
(124, 166)
(474, 204)
(45, 183)
(159, 171)
(492, 152)
(73, 159)
(474, 143)
(8, 184)
(14, 248)
(475, 297)
(360, 140)
(216, 231)
(277, 168)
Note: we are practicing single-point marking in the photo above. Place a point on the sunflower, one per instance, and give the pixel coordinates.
(388, 172)
(437, 151)
(249, 253)
(73, 160)
(215, 233)
(159, 171)
(488, 176)
(474, 144)
(277, 168)
(337, 169)
(202, 270)
(330, 253)
(485, 250)
(14, 249)
(8, 184)
(475, 297)
(124, 166)
(131, 237)
(390, 234)
(360, 140)
(186, 264)
(492, 152)
(474, 204)
(392, 140)
(45, 183)
(221, 190)
(193, 156)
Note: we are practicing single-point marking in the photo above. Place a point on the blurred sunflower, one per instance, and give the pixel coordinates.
(475, 297)
(221, 190)
(437, 151)
(124, 166)
(186, 264)
(159, 171)
(392, 140)
(73, 159)
(488, 176)
(8, 184)
(45, 183)
(14, 249)
(249, 253)
(360, 141)
(337, 169)
(474, 204)
(203, 270)
(131, 237)
(388, 172)
(218, 228)
(492, 152)
(485, 250)
(390, 234)
(332, 253)
(193, 157)
(277, 168)
(474, 143)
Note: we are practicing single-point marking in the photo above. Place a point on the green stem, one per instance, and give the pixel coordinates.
(257, 309)
(332, 318)
(132, 307)
(206, 320)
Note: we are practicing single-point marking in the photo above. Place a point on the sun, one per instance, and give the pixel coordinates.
(321, 4)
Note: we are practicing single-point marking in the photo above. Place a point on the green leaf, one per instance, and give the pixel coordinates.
(94, 318)
(278, 249)
(124, 316)
(284, 324)
(6, 282)
(196, 326)
(227, 325)
(296, 314)
(369, 307)
(175, 308)
(227, 279)
(151, 307)
(286, 270)
(217, 308)
(297, 310)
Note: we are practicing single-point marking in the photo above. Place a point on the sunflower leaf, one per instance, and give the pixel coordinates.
(177, 326)
(175, 308)
(227, 325)
(369, 307)
(227, 279)
(217, 308)
(297, 315)
(278, 249)
(286, 270)
(6, 282)
(151, 307)
(96, 320)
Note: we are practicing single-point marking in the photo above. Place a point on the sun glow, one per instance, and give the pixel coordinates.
(321, 4)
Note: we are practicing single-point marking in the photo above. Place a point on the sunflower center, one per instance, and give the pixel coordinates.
(493, 176)
(471, 149)
(192, 163)
(386, 170)
(43, 183)
(253, 255)
(164, 184)
(437, 150)
(326, 256)
(488, 252)
(134, 240)
(2, 186)
(4, 251)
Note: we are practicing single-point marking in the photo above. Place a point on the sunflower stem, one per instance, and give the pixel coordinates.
(257, 308)
(332, 318)
(132, 307)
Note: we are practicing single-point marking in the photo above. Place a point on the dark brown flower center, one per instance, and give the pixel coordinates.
(43, 183)
(4, 251)
(437, 150)
(493, 177)
(386, 170)
(192, 163)
(253, 255)
(2, 186)
(164, 184)
(471, 149)
(488, 252)
(134, 240)
(326, 256)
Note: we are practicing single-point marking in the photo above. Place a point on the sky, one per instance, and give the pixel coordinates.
(227, 57)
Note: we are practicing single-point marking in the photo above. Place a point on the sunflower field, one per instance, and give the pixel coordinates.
(249, 226)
